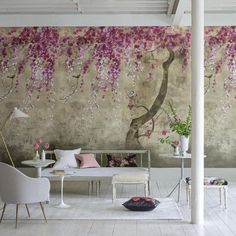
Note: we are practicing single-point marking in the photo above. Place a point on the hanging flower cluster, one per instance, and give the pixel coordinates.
(35, 51)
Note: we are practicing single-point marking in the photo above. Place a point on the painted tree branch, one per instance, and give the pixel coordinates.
(153, 122)
(132, 136)
(207, 87)
(74, 89)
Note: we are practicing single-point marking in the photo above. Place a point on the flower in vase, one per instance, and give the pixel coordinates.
(178, 125)
(40, 145)
(166, 139)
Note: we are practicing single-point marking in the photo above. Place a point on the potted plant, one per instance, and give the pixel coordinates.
(179, 126)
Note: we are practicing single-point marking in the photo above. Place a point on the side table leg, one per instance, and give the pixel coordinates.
(173, 190)
(179, 189)
(39, 172)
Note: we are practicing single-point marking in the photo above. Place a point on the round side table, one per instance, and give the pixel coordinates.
(38, 164)
(62, 175)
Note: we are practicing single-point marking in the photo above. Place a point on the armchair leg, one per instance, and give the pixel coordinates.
(3, 210)
(41, 205)
(27, 209)
(17, 206)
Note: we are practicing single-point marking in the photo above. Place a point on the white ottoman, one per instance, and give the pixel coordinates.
(127, 178)
(210, 183)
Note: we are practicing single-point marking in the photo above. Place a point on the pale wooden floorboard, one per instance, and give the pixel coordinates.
(125, 228)
(101, 228)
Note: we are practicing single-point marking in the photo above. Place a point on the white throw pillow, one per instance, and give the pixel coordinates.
(66, 158)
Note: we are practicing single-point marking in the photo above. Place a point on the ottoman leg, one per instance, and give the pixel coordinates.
(220, 193)
(225, 196)
(146, 189)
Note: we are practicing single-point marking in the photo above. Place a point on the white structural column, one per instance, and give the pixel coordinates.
(197, 96)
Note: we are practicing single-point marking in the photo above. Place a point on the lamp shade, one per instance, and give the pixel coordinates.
(18, 114)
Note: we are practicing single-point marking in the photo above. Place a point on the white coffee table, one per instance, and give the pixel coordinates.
(38, 164)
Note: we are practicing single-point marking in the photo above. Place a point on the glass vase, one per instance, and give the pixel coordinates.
(36, 156)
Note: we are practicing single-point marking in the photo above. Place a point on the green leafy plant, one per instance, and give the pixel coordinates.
(181, 127)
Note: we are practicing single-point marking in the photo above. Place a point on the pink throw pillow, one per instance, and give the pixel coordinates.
(87, 160)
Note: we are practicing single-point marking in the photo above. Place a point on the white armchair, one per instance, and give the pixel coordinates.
(17, 188)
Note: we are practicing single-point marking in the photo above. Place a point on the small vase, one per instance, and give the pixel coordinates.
(43, 156)
(36, 156)
(176, 151)
(184, 142)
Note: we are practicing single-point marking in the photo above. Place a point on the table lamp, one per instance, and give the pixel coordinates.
(16, 113)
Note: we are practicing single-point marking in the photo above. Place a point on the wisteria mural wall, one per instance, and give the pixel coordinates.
(105, 87)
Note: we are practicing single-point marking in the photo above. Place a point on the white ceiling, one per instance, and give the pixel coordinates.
(111, 12)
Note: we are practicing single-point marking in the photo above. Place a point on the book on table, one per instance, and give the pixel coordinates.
(58, 172)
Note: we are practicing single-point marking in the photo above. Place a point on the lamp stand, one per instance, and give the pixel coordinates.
(16, 113)
(5, 145)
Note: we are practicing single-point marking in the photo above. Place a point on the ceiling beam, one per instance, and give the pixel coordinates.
(177, 17)
(171, 4)
(22, 20)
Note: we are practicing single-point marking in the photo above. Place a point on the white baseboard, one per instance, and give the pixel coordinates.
(170, 174)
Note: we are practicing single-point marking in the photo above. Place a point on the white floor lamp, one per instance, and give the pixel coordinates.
(16, 113)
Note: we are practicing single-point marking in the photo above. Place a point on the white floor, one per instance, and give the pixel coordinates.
(218, 221)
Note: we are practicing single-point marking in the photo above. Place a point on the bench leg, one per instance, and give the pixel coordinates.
(99, 182)
(98, 187)
(146, 189)
(149, 187)
(113, 192)
(90, 187)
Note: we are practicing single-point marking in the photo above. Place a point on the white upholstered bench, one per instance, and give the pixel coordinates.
(96, 175)
(130, 178)
(210, 183)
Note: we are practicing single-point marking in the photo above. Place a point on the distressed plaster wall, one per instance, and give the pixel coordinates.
(94, 121)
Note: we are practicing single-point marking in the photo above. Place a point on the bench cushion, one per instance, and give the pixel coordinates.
(66, 158)
(210, 181)
(120, 161)
(129, 178)
(87, 161)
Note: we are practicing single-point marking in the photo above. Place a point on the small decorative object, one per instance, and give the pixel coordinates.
(40, 146)
(176, 151)
(141, 204)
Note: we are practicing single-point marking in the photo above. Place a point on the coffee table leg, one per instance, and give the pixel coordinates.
(62, 204)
